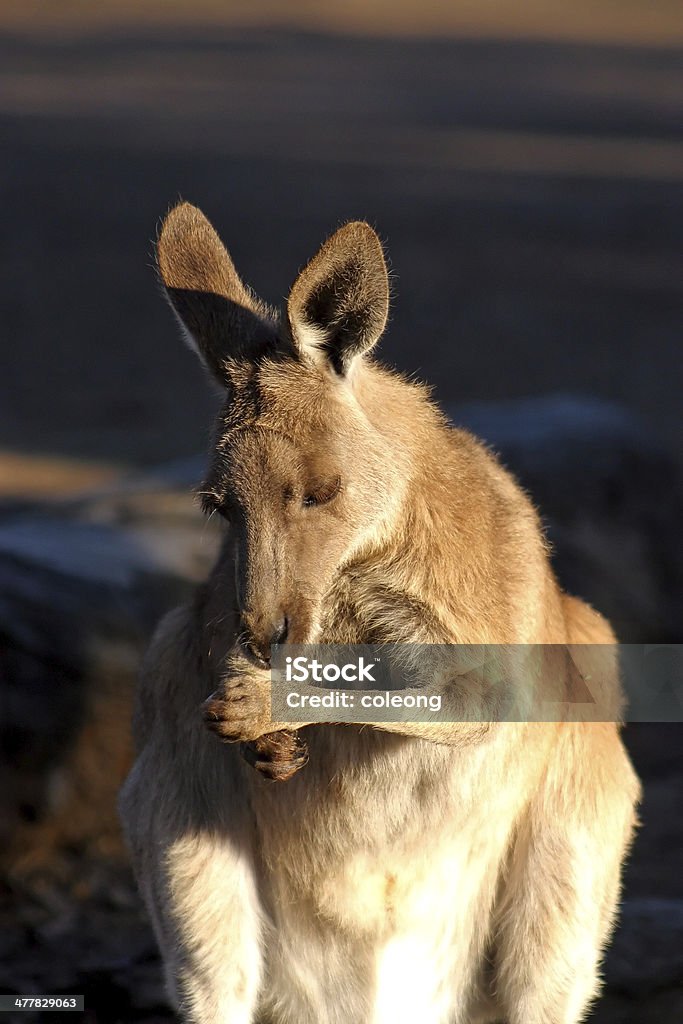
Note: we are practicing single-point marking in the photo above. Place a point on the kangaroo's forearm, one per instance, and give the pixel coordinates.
(450, 734)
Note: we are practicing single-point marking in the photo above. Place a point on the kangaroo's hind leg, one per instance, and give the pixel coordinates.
(199, 885)
(562, 890)
(190, 832)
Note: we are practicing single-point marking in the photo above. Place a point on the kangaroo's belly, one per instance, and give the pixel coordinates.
(381, 913)
(397, 941)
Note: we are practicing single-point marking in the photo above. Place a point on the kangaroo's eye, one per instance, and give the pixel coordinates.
(213, 504)
(324, 494)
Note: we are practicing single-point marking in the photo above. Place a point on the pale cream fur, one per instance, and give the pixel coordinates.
(420, 873)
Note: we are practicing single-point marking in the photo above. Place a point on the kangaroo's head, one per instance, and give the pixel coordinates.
(300, 468)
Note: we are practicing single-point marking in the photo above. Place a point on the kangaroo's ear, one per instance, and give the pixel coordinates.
(338, 306)
(219, 315)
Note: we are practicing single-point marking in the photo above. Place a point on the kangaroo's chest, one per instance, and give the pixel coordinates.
(399, 834)
(385, 878)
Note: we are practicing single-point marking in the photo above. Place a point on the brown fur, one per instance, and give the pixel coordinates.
(446, 872)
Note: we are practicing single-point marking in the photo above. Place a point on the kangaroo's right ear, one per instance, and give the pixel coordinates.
(219, 315)
(338, 305)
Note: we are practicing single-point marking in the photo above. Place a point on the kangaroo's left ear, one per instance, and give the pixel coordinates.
(219, 315)
(339, 303)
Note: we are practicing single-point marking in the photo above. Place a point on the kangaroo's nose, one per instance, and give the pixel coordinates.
(259, 645)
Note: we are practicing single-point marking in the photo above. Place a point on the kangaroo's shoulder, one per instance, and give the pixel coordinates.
(169, 659)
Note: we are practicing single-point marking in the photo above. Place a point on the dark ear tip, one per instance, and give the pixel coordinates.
(360, 232)
(186, 238)
(357, 237)
(180, 220)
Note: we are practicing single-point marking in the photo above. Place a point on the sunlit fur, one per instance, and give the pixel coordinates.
(410, 873)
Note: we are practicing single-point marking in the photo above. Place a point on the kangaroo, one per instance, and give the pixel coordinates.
(435, 872)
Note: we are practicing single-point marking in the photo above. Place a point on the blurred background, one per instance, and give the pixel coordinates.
(522, 163)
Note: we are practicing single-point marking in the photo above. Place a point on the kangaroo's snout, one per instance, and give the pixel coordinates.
(259, 634)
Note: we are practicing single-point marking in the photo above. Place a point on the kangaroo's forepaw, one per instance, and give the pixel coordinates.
(239, 709)
(276, 755)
